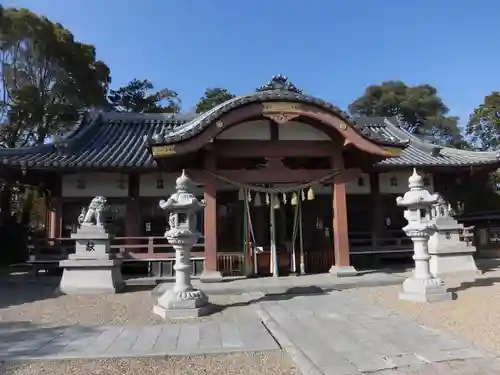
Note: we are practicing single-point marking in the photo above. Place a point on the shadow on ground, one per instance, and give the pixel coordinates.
(290, 293)
(18, 287)
(487, 267)
(25, 338)
(478, 283)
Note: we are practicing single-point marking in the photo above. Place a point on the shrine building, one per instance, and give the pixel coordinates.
(276, 142)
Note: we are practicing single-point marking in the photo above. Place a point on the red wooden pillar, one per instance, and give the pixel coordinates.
(342, 266)
(210, 272)
(55, 210)
(55, 218)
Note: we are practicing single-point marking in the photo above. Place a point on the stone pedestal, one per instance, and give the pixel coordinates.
(449, 255)
(182, 300)
(91, 269)
(343, 271)
(182, 304)
(424, 290)
(422, 286)
(211, 276)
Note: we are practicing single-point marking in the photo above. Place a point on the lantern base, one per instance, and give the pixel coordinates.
(425, 291)
(182, 305)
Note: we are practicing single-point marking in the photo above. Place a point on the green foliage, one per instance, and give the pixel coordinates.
(420, 109)
(136, 97)
(484, 124)
(47, 78)
(213, 97)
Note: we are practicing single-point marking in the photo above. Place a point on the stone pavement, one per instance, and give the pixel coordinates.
(334, 333)
(77, 342)
(330, 333)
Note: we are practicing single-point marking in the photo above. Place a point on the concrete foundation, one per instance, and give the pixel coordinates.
(343, 271)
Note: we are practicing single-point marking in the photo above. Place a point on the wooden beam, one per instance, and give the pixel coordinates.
(248, 148)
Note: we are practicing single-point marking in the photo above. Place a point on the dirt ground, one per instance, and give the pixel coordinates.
(269, 363)
(36, 302)
(473, 314)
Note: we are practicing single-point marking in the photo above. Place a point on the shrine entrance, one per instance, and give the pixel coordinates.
(270, 152)
(280, 227)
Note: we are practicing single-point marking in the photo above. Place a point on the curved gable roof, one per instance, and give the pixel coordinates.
(279, 89)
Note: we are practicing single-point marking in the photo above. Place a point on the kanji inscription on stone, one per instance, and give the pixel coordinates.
(90, 246)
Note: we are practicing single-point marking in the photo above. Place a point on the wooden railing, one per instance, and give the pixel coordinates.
(158, 251)
(127, 248)
(230, 264)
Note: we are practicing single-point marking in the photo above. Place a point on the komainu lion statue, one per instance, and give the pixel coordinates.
(95, 213)
(442, 208)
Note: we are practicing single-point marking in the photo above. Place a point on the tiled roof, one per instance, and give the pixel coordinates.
(118, 140)
(421, 153)
(107, 140)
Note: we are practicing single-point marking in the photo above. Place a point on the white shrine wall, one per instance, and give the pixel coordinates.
(159, 184)
(250, 130)
(91, 184)
(298, 131)
(260, 130)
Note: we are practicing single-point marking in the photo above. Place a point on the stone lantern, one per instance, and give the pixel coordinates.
(421, 286)
(182, 300)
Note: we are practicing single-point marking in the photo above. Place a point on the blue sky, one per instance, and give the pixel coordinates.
(332, 49)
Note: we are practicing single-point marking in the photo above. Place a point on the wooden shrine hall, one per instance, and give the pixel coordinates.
(270, 148)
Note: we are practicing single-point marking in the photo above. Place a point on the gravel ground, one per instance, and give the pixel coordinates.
(38, 304)
(473, 315)
(269, 363)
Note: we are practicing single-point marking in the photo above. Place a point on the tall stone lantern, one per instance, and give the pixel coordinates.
(182, 300)
(421, 286)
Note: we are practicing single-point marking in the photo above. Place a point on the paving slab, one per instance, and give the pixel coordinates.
(207, 337)
(335, 333)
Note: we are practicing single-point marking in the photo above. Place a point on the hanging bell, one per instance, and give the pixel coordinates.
(284, 198)
(267, 199)
(310, 194)
(256, 201)
(241, 195)
(293, 201)
(276, 203)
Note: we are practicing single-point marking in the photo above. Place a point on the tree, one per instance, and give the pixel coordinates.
(137, 97)
(484, 124)
(47, 78)
(419, 108)
(213, 97)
